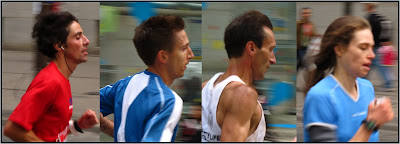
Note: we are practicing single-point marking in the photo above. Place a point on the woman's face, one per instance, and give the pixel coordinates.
(356, 59)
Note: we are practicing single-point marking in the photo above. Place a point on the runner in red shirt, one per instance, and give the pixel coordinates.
(45, 109)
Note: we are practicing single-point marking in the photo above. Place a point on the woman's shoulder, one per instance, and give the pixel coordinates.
(364, 82)
(322, 88)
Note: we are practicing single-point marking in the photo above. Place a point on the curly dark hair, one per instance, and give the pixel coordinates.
(245, 28)
(51, 28)
(155, 34)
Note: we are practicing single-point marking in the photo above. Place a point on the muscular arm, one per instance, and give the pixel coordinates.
(239, 103)
(106, 125)
(19, 134)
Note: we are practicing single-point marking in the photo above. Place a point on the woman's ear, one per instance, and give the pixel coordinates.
(339, 50)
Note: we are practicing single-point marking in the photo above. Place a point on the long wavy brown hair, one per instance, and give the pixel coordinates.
(340, 32)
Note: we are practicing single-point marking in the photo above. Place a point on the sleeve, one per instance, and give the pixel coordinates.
(162, 126)
(322, 134)
(34, 104)
(107, 98)
(319, 111)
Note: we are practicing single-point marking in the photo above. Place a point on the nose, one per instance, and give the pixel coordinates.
(191, 55)
(272, 59)
(371, 54)
(86, 41)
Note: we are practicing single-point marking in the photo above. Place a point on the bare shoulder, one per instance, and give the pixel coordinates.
(241, 95)
(204, 84)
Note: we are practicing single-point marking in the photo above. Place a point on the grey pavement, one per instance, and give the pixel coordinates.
(17, 73)
(388, 132)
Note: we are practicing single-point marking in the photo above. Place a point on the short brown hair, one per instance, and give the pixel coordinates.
(247, 27)
(155, 34)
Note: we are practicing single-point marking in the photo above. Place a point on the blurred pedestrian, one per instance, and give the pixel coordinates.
(191, 131)
(305, 31)
(374, 21)
(388, 55)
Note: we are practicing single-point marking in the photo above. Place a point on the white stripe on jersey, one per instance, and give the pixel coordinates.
(135, 86)
(173, 119)
(161, 107)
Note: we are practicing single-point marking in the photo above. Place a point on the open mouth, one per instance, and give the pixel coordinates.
(85, 52)
(367, 65)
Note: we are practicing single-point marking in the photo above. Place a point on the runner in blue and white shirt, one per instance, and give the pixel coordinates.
(145, 108)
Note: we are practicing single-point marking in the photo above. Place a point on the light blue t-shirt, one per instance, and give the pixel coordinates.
(328, 104)
(145, 109)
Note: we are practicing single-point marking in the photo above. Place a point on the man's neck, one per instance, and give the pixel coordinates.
(65, 67)
(241, 68)
(166, 78)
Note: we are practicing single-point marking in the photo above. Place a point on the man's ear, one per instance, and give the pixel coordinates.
(250, 48)
(162, 56)
(57, 46)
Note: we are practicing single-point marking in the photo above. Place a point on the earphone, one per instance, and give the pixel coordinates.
(65, 53)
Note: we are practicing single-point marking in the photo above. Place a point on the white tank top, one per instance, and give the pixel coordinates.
(209, 101)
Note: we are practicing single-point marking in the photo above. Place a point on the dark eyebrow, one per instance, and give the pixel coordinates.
(78, 33)
(185, 45)
(364, 44)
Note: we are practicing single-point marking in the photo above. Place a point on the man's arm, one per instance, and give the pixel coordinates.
(106, 125)
(19, 134)
(240, 103)
(87, 120)
(204, 84)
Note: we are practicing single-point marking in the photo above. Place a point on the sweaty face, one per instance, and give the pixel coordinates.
(357, 57)
(76, 47)
(264, 56)
(179, 57)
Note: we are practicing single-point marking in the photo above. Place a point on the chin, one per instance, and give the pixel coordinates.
(259, 77)
(362, 75)
(180, 75)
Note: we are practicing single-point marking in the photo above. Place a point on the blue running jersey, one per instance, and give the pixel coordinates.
(145, 109)
(328, 104)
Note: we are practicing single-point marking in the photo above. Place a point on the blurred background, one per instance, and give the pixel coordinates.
(324, 13)
(119, 59)
(21, 61)
(277, 90)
